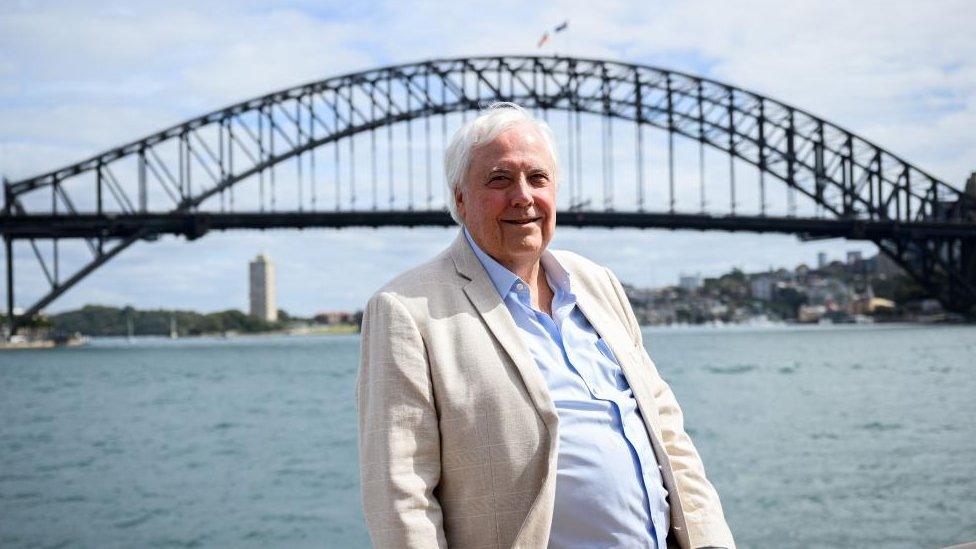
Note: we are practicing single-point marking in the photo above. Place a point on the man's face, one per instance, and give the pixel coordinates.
(508, 197)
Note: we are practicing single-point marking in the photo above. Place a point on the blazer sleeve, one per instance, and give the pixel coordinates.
(399, 440)
(699, 500)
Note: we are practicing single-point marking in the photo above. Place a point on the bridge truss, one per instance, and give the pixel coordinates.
(357, 149)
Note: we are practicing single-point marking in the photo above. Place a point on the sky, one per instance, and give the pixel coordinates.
(77, 78)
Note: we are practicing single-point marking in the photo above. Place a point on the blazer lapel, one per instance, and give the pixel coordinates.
(496, 316)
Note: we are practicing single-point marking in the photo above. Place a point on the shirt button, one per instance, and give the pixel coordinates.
(661, 467)
(519, 286)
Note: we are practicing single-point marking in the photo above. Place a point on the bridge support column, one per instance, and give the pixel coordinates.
(8, 208)
(968, 251)
(8, 244)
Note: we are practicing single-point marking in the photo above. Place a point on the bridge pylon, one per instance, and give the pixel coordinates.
(968, 252)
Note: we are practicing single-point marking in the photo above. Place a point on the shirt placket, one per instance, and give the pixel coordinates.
(648, 471)
(563, 307)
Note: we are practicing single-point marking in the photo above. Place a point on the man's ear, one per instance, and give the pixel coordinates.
(459, 200)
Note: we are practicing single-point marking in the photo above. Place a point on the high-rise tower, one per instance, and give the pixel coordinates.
(263, 302)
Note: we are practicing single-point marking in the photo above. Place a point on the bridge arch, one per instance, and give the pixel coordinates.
(853, 180)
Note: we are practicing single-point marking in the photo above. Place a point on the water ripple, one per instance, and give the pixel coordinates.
(731, 370)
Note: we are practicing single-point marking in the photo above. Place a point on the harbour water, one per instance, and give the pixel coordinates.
(847, 436)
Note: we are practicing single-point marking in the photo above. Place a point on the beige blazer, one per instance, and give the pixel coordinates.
(457, 431)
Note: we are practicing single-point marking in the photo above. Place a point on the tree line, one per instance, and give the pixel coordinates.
(100, 320)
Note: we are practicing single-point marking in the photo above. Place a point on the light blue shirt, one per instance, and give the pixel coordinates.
(609, 491)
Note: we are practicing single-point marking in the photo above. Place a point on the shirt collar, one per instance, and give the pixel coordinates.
(503, 279)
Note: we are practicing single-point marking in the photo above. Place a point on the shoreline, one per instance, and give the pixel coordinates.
(86, 340)
(351, 330)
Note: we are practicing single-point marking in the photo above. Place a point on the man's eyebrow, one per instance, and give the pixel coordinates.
(502, 170)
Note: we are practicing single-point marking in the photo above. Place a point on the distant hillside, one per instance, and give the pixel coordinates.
(98, 320)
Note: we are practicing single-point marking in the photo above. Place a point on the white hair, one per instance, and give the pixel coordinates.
(495, 119)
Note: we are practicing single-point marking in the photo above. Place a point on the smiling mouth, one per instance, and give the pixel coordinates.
(525, 221)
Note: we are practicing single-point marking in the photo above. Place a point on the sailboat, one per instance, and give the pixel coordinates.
(173, 332)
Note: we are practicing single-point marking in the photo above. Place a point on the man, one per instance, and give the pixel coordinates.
(505, 397)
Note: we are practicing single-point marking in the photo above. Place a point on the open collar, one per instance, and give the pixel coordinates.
(503, 279)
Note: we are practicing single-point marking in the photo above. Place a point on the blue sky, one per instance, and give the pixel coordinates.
(80, 77)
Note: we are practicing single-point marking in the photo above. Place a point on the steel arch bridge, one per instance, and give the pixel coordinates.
(304, 144)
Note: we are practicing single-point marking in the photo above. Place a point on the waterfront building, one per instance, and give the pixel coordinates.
(810, 313)
(821, 260)
(763, 286)
(828, 290)
(690, 282)
(872, 306)
(334, 318)
(262, 288)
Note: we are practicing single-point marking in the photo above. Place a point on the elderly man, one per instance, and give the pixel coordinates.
(505, 396)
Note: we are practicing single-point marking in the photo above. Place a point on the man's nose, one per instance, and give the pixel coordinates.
(521, 191)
